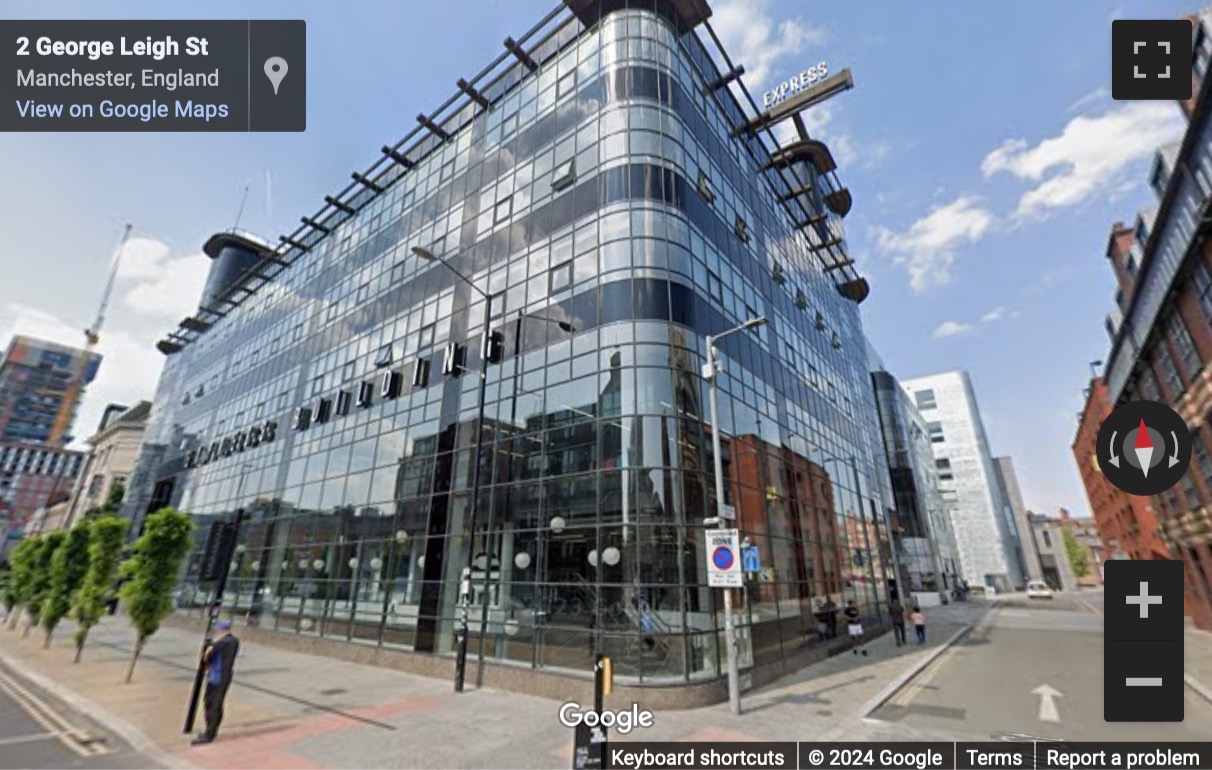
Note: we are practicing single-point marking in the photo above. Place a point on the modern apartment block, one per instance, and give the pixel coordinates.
(40, 388)
(575, 221)
(33, 477)
(921, 521)
(981, 517)
(1012, 497)
(1161, 345)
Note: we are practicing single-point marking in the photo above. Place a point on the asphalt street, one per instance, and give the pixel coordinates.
(1029, 669)
(37, 731)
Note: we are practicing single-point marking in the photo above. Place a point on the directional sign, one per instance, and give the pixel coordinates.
(723, 559)
(750, 561)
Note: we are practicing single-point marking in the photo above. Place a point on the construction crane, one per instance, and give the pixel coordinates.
(92, 335)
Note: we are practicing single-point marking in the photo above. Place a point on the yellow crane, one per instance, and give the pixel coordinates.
(92, 335)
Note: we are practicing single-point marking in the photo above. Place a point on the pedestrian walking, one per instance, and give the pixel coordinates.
(919, 624)
(897, 611)
(220, 661)
(855, 628)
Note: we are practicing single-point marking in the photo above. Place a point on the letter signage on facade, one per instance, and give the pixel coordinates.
(794, 85)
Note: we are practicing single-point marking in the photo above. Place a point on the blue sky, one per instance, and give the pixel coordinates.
(986, 159)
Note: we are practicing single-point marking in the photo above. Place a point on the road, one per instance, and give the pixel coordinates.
(38, 731)
(1028, 669)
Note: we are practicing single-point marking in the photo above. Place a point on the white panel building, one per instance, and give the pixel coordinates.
(981, 516)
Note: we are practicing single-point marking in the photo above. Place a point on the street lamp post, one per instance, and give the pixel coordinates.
(465, 581)
(710, 372)
(517, 352)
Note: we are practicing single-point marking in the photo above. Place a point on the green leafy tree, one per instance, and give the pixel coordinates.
(151, 573)
(16, 590)
(40, 579)
(105, 537)
(69, 564)
(1078, 559)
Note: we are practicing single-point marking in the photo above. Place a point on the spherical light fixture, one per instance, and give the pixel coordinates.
(611, 556)
(353, 563)
(593, 558)
(318, 564)
(255, 566)
(303, 564)
(376, 563)
(401, 537)
(558, 524)
(521, 560)
(421, 561)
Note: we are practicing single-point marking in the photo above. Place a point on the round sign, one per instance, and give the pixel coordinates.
(722, 558)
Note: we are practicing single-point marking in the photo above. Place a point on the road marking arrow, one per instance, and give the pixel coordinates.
(1047, 702)
(1174, 457)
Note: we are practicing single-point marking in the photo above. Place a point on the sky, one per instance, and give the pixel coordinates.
(986, 159)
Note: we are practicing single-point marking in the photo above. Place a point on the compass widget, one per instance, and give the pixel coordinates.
(1144, 448)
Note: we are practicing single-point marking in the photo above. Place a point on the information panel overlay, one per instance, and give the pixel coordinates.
(868, 755)
(110, 75)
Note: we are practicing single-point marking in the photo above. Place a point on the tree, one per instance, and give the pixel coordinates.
(68, 567)
(40, 577)
(16, 590)
(105, 537)
(151, 573)
(1078, 559)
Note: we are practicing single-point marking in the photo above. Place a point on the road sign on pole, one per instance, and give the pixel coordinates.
(750, 560)
(724, 559)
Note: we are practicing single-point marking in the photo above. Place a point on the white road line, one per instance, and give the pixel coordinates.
(28, 738)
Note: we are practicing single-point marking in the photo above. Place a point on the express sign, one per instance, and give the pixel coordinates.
(795, 84)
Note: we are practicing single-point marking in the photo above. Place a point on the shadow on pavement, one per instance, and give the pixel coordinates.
(312, 705)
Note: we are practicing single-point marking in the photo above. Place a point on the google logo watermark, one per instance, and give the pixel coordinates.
(573, 714)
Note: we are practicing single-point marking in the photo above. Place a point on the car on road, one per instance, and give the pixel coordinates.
(1038, 589)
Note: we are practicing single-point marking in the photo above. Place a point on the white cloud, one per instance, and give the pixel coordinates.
(1102, 93)
(174, 293)
(754, 39)
(1090, 156)
(928, 247)
(164, 285)
(951, 329)
(129, 369)
(996, 314)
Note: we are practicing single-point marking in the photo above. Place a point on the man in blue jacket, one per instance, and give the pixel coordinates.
(220, 660)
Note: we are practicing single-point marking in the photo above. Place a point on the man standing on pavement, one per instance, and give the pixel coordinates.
(220, 660)
(897, 611)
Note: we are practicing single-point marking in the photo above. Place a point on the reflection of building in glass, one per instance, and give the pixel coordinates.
(605, 188)
(983, 522)
(927, 549)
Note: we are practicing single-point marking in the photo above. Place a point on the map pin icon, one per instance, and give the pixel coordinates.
(275, 70)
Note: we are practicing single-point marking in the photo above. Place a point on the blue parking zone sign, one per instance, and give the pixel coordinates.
(749, 559)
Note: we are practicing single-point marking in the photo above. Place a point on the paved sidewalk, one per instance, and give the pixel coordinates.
(1197, 660)
(288, 709)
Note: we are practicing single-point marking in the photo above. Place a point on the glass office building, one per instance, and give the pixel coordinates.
(604, 187)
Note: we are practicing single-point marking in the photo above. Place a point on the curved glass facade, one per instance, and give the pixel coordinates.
(603, 190)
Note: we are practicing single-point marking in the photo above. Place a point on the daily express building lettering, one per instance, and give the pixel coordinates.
(602, 183)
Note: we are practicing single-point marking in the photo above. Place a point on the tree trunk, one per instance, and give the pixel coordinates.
(47, 642)
(13, 618)
(30, 624)
(79, 650)
(134, 658)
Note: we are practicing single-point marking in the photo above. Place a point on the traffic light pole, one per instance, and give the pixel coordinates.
(212, 616)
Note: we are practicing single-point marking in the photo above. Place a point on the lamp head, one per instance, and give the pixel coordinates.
(754, 323)
(424, 253)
